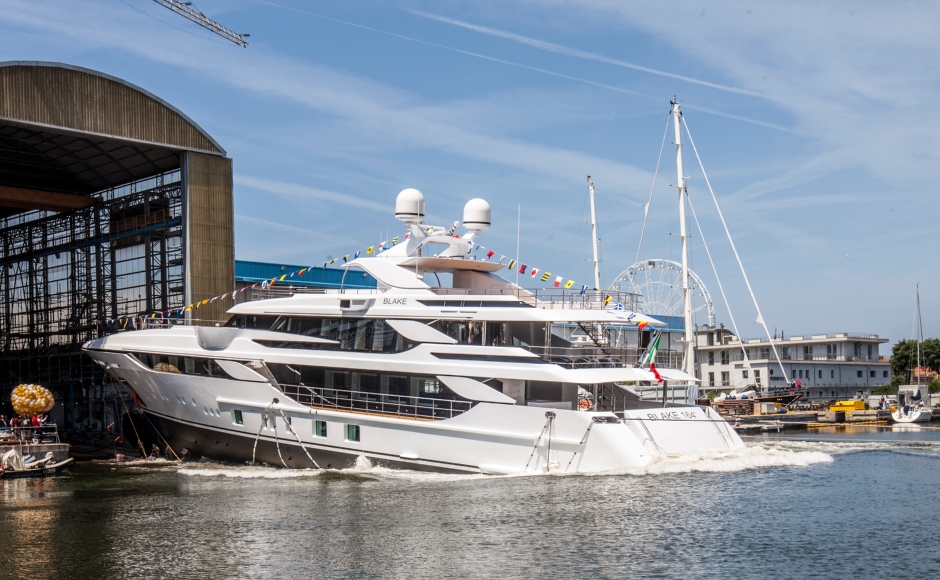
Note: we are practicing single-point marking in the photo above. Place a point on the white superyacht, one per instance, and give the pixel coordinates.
(474, 377)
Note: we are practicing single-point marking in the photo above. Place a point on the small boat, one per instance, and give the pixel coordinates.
(14, 465)
(912, 414)
(911, 407)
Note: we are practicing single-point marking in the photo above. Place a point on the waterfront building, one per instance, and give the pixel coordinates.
(829, 366)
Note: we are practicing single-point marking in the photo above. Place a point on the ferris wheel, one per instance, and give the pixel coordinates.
(659, 284)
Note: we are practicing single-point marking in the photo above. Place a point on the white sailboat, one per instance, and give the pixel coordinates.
(911, 407)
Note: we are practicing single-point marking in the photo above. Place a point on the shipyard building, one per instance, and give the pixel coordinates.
(113, 205)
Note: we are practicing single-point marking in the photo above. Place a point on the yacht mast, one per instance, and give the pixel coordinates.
(594, 240)
(688, 359)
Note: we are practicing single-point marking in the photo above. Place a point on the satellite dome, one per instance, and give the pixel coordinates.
(476, 215)
(409, 206)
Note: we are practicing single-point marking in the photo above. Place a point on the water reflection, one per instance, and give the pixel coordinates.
(713, 518)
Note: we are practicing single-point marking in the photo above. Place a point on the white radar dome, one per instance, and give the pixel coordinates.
(409, 206)
(476, 215)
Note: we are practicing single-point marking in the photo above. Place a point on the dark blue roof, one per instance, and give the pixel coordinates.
(316, 277)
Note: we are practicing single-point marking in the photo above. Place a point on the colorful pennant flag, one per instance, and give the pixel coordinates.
(557, 281)
(522, 269)
(369, 251)
(583, 289)
(394, 240)
(546, 276)
(501, 258)
(512, 264)
(643, 324)
(607, 299)
(301, 273)
(535, 272)
(569, 283)
(490, 254)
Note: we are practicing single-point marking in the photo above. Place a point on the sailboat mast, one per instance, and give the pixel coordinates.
(594, 240)
(688, 360)
(919, 335)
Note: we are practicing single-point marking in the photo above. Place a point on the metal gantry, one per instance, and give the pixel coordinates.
(185, 10)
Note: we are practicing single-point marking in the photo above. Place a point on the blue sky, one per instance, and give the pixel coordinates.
(815, 121)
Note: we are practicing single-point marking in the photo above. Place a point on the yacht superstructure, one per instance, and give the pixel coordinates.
(465, 377)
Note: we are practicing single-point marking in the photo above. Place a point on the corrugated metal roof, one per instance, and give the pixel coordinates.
(253, 272)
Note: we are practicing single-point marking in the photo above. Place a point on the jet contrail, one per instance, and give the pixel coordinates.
(575, 53)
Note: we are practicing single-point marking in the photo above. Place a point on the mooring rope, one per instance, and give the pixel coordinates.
(264, 419)
(297, 437)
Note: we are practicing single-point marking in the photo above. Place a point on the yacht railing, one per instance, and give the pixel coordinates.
(385, 404)
(602, 356)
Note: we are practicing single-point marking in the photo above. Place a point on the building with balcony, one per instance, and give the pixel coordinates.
(829, 366)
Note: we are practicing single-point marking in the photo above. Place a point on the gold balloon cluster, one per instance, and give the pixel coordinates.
(32, 400)
(166, 368)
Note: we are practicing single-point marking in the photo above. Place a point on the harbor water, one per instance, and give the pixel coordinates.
(844, 502)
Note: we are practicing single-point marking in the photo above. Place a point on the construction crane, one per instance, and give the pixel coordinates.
(184, 9)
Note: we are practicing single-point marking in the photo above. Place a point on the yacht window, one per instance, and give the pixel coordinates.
(187, 365)
(367, 382)
(319, 428)
(336, 379)
(352, 432)
(428, 386)
(488, 357)
(237, 416)
(396, 385)
(297, 345)
(360, 334)
(474, 304)
(286, 374)
(257, 321)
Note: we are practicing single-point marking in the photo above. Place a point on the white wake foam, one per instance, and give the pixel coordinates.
(725, 461)
(753, 456)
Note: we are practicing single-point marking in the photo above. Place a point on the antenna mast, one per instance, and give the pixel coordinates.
(594, 240)
(184, 9)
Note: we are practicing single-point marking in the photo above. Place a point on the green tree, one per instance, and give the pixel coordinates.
(886, 390)
(904, 356)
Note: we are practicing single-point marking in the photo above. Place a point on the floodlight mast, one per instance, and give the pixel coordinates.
(184, 9)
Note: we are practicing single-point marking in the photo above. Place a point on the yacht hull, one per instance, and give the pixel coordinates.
(199, 441)
(230, 419)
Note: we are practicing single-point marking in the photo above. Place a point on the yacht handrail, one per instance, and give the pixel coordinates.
(402, 406)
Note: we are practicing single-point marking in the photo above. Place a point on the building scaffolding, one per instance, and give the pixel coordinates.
(66, 278)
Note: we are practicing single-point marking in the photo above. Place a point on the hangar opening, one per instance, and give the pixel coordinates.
(113, 204)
